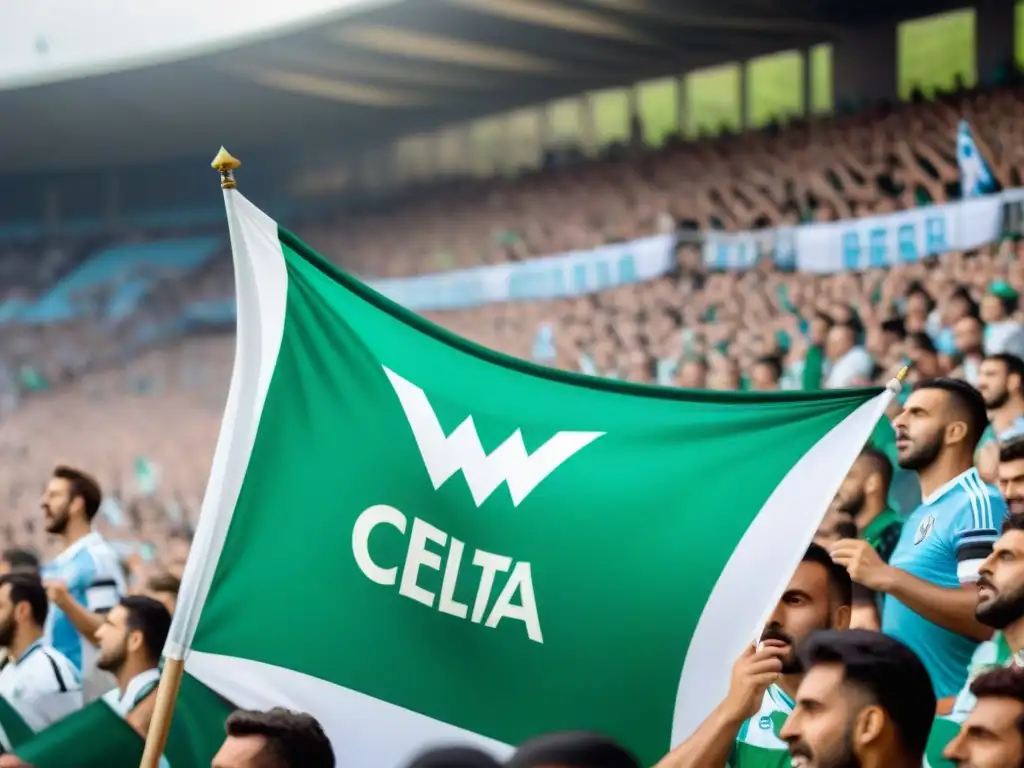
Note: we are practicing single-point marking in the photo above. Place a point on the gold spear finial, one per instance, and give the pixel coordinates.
(225, 164)
(903, 373)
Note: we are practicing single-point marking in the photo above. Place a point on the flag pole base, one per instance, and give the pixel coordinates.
(163, 711)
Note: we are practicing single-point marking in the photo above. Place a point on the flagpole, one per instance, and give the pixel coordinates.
(174, 667)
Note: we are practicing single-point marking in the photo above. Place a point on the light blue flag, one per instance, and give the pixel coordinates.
(975, 176)
(544, 344)
(667, 368)
(587, 365)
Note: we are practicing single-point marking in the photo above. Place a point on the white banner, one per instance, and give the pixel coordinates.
(742, 250)
(875, 241)
(903, 237)
(550, 277)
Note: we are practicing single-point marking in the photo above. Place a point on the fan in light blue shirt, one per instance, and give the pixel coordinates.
(944, 542)
(928, 583)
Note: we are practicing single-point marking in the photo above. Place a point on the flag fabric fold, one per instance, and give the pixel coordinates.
(97, 737)
(14, 731)
(93, 737)
(419, 540)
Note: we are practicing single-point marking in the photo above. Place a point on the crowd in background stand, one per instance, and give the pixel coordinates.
(691, 328)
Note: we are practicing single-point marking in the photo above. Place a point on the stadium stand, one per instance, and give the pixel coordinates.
(693, 326)
(115, 342)
(674, 227)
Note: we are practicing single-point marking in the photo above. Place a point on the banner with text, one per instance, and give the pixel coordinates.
(874, 241)
(549, 277)
(743, 250)
(900, 238)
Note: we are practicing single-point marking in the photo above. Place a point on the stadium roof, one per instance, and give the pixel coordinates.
(400, 67)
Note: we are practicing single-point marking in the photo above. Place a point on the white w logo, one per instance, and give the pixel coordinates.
(509, 463)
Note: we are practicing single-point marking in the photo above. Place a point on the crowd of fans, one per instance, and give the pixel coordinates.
(936, 569)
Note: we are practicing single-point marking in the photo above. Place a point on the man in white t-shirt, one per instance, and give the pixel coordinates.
(37, 680)
(848, 364)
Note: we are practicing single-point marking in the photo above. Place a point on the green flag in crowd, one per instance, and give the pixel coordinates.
(418, 540)
(147, 476)
(14, 731)
(97, 737)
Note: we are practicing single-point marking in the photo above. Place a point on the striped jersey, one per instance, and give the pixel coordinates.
(94, 578)
(758, 744)
(41, 685)
(944, 541)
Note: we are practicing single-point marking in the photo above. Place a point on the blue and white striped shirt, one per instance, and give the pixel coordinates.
(94, 578)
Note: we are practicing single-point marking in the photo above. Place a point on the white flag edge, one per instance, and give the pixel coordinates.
(261, 290)
(763, 562)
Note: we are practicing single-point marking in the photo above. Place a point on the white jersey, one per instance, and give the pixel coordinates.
(138, 688)
(42, 686)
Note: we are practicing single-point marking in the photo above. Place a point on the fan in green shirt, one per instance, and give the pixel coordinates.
(744, 729)
(864, 496)
(883, 532)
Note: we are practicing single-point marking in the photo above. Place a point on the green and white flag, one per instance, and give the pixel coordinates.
(14, 731)
(147, 476)
(418, 540)
(97, 736)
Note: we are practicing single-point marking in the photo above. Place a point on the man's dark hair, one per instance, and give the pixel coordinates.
(454, 757)
(294, 739)
(1013, 523)
(887, 671)
(965, 295)
(846, 529)
(850, 325)
(864, 596)
(1012, 449)
(1013, 364)
(922, 341)
(838, 577)
(967, 402)
(21, 560)
(83, 486)
(573, 749)
(881, 464)
(916, 287)
(773, 363)
(895, 326)
(26, 588)
(1001, 683)
(152, 619)
(164, 582)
